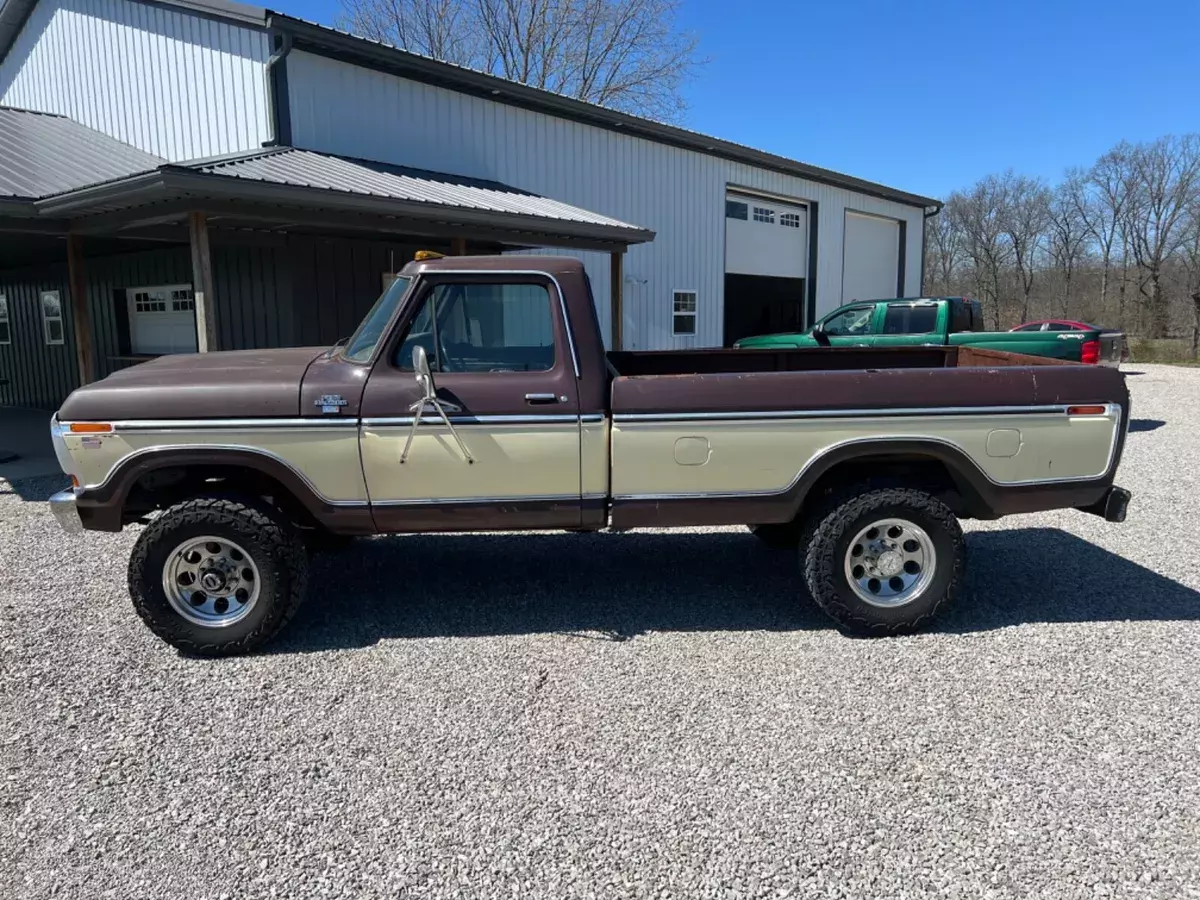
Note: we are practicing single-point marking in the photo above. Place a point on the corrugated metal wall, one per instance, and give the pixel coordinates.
(38, 376)
(173, 84)
(679, 193)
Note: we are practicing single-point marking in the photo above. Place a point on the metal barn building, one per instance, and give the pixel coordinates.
(196, 174)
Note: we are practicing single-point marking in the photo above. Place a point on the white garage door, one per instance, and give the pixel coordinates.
(162, 319)
(871, 258)
(764, 237)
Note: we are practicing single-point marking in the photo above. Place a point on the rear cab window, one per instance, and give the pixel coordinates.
(910, 318)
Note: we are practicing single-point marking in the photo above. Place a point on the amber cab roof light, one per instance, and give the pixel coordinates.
(428, 254)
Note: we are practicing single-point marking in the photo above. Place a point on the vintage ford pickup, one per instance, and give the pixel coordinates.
(476, 395)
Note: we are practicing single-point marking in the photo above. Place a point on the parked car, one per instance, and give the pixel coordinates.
(1119, 343)
(477, 395)
(949, 321)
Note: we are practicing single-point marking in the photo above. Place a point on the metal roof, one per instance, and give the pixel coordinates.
(387, 58)
(42, 154)
(326, 172)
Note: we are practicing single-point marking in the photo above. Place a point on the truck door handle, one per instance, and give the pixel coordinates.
(541, 398)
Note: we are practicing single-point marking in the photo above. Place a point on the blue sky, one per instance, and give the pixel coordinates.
(929, 95)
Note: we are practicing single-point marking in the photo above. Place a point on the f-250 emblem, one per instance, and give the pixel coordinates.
(330, 403)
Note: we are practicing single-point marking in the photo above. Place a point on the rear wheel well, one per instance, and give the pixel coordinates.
(910, 470)
(161, 488)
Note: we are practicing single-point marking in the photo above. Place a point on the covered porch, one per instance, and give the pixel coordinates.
(276, 247)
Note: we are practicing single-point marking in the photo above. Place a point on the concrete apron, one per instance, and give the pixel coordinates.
(25, 437)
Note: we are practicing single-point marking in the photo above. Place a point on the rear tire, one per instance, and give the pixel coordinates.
(885, 580)
(217, 576)
(777, 535)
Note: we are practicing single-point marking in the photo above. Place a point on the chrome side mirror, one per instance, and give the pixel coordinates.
(423, 374)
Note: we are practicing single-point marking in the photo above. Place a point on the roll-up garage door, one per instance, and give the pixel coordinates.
(870, 258)
(766, 264)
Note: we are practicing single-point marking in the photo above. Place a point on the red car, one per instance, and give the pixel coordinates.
(1109, 336)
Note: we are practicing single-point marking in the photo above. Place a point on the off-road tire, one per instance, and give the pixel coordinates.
(827, 535)
(266, 535)
(777, 535)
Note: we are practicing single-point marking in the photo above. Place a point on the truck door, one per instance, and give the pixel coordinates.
(910, 323)
(851, 326)
(504, 371)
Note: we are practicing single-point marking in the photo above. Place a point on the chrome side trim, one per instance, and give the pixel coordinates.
(173, 425)
(596, 496)
(476, 501)
(159, 448)
(732, 415)
(404, 421)
(562, 301)
(592, 418)
(825, 451)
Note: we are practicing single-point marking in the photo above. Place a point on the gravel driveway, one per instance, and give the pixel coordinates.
(639, 715)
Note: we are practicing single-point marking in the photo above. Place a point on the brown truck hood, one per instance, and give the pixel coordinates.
(233, 384)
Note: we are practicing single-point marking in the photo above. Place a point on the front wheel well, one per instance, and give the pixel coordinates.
(161, 488)
(909, 469)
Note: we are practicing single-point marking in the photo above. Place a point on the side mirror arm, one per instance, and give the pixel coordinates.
(429, 398)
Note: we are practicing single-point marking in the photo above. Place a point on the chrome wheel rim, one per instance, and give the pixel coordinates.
(211, 581)
(890, 563)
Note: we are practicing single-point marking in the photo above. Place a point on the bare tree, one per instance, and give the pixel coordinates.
(1068, 233)
(943, 251)
(1024, 216)
(1191, 265)
(1163, 178)
(625, 54)
(977, 214)
(1102, 197)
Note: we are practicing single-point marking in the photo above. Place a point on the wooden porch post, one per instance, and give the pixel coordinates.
(80, 316)
(458, 246)
(616, 286)
(202, 282)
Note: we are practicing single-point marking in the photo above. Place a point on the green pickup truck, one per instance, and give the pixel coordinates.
(935, 321)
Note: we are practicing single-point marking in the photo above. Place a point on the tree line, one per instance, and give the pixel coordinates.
(1116, 243)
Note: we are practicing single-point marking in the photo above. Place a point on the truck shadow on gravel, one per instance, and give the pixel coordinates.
(616, 587)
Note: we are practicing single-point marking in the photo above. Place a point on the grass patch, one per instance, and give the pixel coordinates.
(1171, 350)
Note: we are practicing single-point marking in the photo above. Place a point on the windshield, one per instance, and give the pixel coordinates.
(362, 343)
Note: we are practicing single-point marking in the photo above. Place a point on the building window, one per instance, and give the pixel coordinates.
(762, 214)
(736, 210)
(5, 328)
(182, 300)
(790, 220)
(683, 309)
(52, 319)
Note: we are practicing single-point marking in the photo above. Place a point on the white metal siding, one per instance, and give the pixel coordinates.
(173, 84)
(871, 250)
(679, 193)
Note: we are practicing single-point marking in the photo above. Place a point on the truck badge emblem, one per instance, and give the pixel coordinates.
(330, 403)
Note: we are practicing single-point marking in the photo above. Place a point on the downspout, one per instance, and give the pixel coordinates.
(929, 214)
(279, 112)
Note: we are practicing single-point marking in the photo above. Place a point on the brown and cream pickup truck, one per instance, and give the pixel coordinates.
(477, 395)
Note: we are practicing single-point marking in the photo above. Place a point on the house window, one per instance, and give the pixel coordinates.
(162, 319)
(683, 309)
(736, 210)
(52, 319)
(790, 220)
(5, 329)
(762, 214)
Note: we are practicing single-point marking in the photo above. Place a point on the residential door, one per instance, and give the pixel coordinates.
(505, 373)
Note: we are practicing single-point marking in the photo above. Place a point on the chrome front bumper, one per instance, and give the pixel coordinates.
(62, 505)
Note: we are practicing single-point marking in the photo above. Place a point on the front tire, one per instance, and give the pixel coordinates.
(218, 576)
(884, 561)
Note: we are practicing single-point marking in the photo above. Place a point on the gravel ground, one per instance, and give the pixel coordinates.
(639, 715)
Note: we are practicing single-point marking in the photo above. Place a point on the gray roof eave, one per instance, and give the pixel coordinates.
(176, 183)
(18, 207)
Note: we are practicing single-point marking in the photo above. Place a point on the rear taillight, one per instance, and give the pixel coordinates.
(1091, 352)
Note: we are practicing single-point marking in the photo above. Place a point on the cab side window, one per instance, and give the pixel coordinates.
(481, 327)
(908, 318)
(855, 320)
